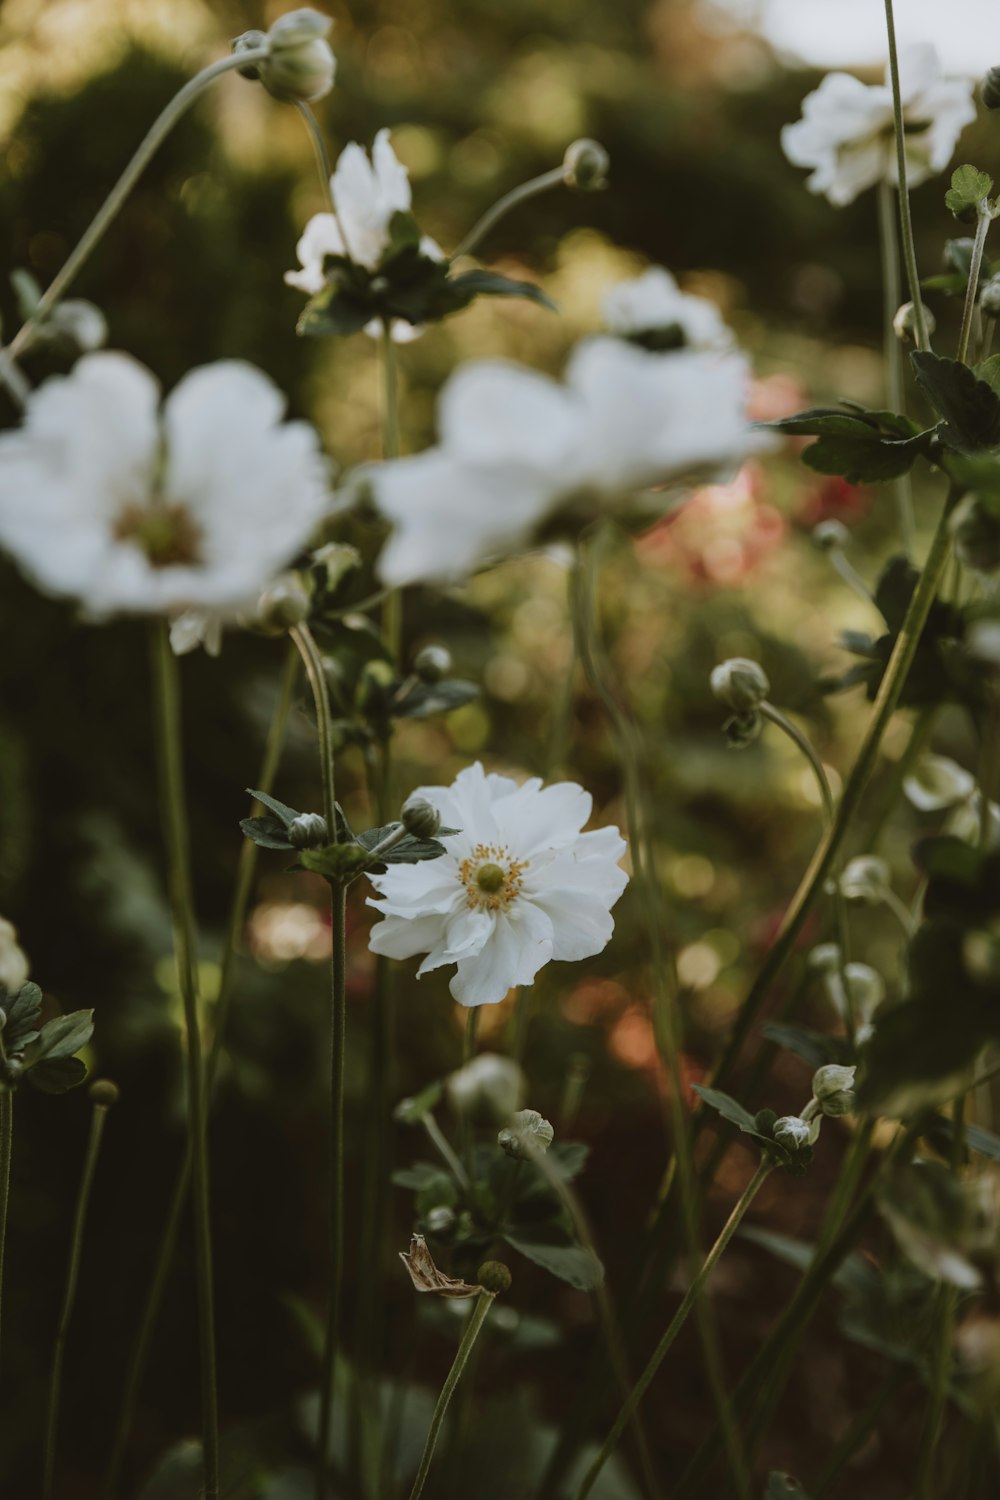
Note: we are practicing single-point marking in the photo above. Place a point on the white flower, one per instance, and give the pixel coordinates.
(518, 449)
(518, 886)
(846, 130)
(653, 304)
(937, 782)
(128, 507)
(13, 963)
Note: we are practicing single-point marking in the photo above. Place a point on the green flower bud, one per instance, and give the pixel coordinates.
(743, 730)
(833, 1089)
(527, 1136)
(493, 1276)
(989, 90)
(285, 602)
(300, 65)
(103, 1092)
(332, 563)
(308, 831)
(865, 880)
(831, 536)
(905, 322)
(740, 684)
(432, 663)
(585, 166)
(792, 1132)
(420, 818)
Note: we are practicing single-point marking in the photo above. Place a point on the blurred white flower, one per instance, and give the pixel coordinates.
(519, 451)
(937, 782)
(487, 1084)
(129, 507)
(846, 131)
(653, 307)
(519, 885)
(13, 963)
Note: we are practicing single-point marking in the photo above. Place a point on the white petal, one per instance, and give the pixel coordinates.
(535, 818)
(320, 238)
(521, 944)
(405, 937)
(493, 411)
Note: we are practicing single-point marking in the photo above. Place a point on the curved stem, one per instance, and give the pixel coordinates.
(983, 221)
(172, 799)
(106, 214)
(905, 222)
(675, 1326)
(6, 1150)
(892, 348)
(503, 206)
(484, 1302)
(66, 1312)
(245, 871)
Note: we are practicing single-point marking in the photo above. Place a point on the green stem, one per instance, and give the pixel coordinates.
(905, 222)
(66, 1312)
(309, 651)
(944, 1330)
(106, 214)
(338, 904)
(484, 1302)
(859, 1432)
(892, 347)
(323, 167)
(503, 206)
(392, 608)
(172, 800)
(245, 871)
(441, 1144)
(674, 1327)
(983, 221)
(6, 1147)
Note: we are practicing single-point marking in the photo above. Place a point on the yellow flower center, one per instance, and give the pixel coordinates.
(166, 533)
(492, 879)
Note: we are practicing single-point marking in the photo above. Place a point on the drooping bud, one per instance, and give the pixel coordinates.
(830, 536)
(527, 1136)
(420, 818)
(865, 879)
(937, 782)
(792, 1132)
(905, 322)
(432, 663)
(833, 1089)
(285, 602)
(300, 64)
(740, 684)
(989, 90)
(494, 1277)
(976, 535)
(743, 730)
(585, 166)
(489, 1085)
(333, 562)
(308, 831)
(103, 1092)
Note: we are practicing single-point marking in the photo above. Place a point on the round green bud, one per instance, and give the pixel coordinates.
(103, 1092)
(527, 1136)
(285, 602)
(585, 166)
(830, 536)
(989, 89)
(14, 1068)
(833, 1089)
(740, 684)
(420, 818)
(743, 730)
(308, 831)
(300, 65)
(905, 322)
(493, 1276)
(249, 41)
(432, 663)
(791, 1132)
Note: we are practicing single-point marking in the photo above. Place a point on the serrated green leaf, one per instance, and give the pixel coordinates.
(409, 850)
(726, 1107)
(969, 407)
(864, 456)
(281, 810)
(56, 1075)
(554, 1249)
(62, 1037)
(267, 832)
(969, 187)
(989, 371)
(23, 1012)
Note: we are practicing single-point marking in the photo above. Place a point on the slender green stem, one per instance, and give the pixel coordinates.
(484, 1302)
(309, 651)
(922, 728)
(106, 214)
(892, 347)
(905, 222)
(245, 871)
(859, 1431)
(66, 1311)
(441, 1144)
(172, 800)
(675, 1326)
(466, 1132)
(338, 903)
(323, 167)
(846, 570)
(471, 1032)
(503, 206)
(6, 1146)
(519, 1023)
(392, 607)
(924, 1487)
(983, 221)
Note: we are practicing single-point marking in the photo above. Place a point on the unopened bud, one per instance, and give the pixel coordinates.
(792, 1132)
(833, 1089)
(740, 684)
(493, 1276)
(103, 1092)
(300, 64)
(989, 91)
(905, 322)
(976, 535)
(432, 663)
(989, 297)
(285, 602)
(439, 1220)
(831, 536)
(13, 1068)
(743, 730)
(865, 880)
(585, 166)
(308, 831)
(420, 818)
(527, 1136)
(375, 685)
(333, 562)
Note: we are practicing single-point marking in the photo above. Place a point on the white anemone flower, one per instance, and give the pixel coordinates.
(130, 507)
(519, 885)
(653, 304)
(520, 452)
(13, 962)
(846, 131)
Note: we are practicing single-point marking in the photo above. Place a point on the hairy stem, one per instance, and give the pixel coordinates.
(983, 221)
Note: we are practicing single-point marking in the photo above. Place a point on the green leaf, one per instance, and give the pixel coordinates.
(783, 1487)
(409, 850)
(472, 284)
(281, 810)
(335, 861)
(180, 1475)
(913, 1060)
(56, 1075)
(814, 1047)
(23, 1011)
(413, 1111)
(333, 312)
(989, 371)
(62, 1037)
(418, 1176)
(727, 1107)
(267, 832)
(27, 292)
(552, 1247)
(969, 187)
(864, 456)
(435, 698)
(970, 408)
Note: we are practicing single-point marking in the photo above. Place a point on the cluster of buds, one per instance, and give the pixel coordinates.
(743, 686)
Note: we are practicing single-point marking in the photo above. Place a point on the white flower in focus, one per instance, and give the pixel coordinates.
(129, 507)
(13, 962)
(519, 885)
(652, 306)
(846, 131)
(519, 451)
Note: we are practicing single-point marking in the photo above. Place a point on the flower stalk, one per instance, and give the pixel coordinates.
(503, 206)
(984, 218)
(892, 348)
(473, 1329)
(905, 221)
